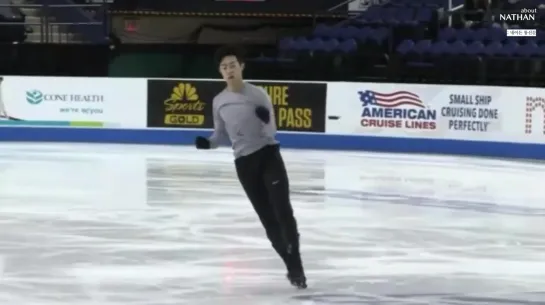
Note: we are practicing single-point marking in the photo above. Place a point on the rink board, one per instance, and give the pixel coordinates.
(288, 140)
(505, 122)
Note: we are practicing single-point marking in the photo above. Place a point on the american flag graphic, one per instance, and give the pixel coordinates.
(390, 100)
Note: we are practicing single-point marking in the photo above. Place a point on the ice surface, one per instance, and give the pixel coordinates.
(128, 225)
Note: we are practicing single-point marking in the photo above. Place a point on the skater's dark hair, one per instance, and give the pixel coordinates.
(229, 50)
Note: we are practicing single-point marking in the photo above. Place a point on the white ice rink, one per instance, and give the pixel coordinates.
(138, 225)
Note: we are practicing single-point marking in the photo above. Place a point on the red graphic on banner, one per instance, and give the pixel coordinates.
(532, 103)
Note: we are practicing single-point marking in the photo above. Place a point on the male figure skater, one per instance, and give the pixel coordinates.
(243, 114)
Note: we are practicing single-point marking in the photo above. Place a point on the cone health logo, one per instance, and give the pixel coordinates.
(398, 109)
(34, 97)
(80, 101)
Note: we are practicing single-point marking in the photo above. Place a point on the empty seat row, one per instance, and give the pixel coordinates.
(511, 48)
(440, 3)
(351, 32)
(395, 15)
(318, 45)
(420, 3)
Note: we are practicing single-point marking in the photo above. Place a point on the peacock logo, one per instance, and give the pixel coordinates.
(184, 108)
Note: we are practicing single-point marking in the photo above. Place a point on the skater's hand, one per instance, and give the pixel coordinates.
(202, 143)
(263, 114)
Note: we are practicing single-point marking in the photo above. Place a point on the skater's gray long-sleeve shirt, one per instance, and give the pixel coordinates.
(235, 119)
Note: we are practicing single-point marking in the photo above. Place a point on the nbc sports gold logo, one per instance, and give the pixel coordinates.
(184, 106)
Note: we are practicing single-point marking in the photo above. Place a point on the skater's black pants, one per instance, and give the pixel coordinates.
(265, 180)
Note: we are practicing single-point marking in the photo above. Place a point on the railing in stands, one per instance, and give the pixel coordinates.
(93, 30)
(69, 18)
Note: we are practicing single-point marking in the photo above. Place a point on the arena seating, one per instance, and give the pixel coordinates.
(14, 31)
(208, 6)
(428, 3)
(410, 39)
(484, 52)
(332, 39)
(396, 15)
(96, 34)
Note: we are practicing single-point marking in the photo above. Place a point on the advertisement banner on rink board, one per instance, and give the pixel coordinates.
(478, 113)
(185, 103)
(73, 102)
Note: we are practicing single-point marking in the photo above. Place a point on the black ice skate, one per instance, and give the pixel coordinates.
(298, 280)
(296, 273)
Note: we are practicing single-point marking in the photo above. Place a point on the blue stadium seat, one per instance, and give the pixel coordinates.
(447, 34)
(422, 47)
(350, 32)
(438, 48)
(530, 49)
(364, 34)
(493, 49)
(475, 48)
(509, 49)
(316, 45)
(379, 35)
(405, 47)
(286, 44)
(456, 48)
(348, 46)
(540, 36)
(424, 14)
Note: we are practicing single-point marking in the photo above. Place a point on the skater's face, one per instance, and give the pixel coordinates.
(231, 69)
